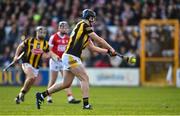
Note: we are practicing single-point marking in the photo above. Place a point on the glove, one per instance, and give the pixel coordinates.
(111, 53)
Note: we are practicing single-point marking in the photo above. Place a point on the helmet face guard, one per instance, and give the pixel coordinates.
(89, 15)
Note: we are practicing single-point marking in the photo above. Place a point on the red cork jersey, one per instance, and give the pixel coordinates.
(58, 44)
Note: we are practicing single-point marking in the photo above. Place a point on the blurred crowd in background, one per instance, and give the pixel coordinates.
(117, 22)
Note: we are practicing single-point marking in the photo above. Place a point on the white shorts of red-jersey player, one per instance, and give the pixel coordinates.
(58, 46)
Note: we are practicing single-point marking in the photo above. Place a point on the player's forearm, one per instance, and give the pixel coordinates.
(105, 44)
(99, 50)
(100, 41)
(111, 50)
(54, 56)
(19, 50)
(46, 55)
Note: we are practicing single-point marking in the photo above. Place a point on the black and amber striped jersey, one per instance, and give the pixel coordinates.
(33, 49)
(79, 38)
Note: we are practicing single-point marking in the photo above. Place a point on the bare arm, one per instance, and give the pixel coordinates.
(54, 56)
(50, 54)
(18, 51)
(94, 48)
(46, 55)
(101, 41)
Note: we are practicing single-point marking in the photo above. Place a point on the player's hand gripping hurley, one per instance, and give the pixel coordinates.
(128, 59)
(12, 63)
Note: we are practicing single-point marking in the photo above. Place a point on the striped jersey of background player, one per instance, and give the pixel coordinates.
(34, 48)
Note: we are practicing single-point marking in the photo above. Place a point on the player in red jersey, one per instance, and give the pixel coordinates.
(58, 43)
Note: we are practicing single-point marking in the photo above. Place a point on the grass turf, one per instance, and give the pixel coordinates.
(105, 101)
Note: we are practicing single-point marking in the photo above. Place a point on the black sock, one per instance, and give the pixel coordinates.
(45, 93)
(85, 101)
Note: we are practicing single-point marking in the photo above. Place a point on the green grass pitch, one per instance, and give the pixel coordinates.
(105, 101)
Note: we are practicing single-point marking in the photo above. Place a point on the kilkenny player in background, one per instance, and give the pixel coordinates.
(58, 43)
(34, 48)
(71, 58)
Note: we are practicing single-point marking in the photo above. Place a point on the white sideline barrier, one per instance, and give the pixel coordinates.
(178, 78)
(111, 77)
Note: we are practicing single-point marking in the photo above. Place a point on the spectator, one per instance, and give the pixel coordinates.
(13, 35)
(2, 35)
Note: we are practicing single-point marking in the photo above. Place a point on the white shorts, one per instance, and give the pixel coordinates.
(70, 61)
(25, 66)
(55, 65)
